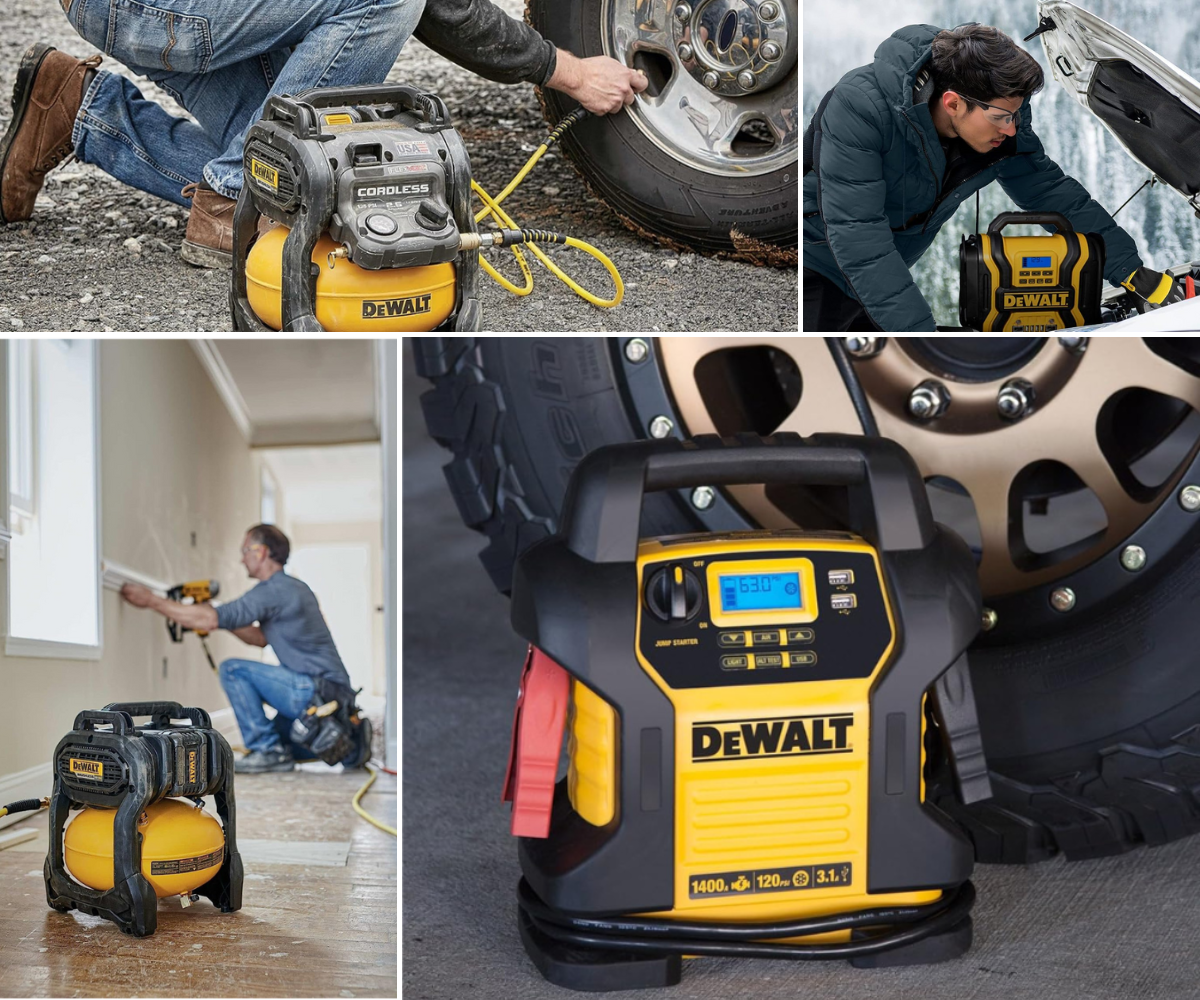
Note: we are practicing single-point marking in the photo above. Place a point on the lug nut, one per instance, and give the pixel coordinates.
(1133, 557)
(637, 350)
(1063, 599)
(683, 12)
(1076, 345)
(746, 80)
(770, 51)
(661, 426)
(685, 52)
(1015, 399)
(768, 11)
(1189, 499)
(703, 497)
(710, 80)
(863, 347)
(989, 619)
(929, 400)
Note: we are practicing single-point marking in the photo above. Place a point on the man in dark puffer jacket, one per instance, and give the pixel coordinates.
(900, 144)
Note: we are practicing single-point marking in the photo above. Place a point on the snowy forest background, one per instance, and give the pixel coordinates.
(842, 34)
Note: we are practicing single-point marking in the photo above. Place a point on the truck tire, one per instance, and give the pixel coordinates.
(1092, 731)
(651, 171)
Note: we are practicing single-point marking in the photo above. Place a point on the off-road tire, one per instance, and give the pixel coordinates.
(1092, 734)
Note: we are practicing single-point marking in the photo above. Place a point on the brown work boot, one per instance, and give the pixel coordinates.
(209, 238)
(46, 99)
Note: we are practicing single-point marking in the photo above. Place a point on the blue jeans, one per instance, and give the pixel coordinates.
(221, 60)
(248, 684)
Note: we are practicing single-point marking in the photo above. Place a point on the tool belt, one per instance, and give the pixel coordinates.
(331, 733)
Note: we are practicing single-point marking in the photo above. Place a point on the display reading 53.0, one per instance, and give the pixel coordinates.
(760, 591)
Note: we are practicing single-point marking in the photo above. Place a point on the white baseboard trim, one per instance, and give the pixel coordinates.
(224, 720)
(33, 783)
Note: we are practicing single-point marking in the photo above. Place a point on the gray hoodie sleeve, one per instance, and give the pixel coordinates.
(479, 36)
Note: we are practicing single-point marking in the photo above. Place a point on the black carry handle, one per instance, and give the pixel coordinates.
(888, 505)
(357, 94)
(162, 712)
(90, 719)
(300, 111)
(1056, 219)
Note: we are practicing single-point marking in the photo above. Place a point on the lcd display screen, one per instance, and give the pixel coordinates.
(760, 591)
(1035, 261)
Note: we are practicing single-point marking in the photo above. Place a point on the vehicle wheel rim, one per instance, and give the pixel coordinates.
(725, 105)
(1001, 462)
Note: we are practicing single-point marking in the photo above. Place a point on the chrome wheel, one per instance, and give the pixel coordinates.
(722, 94)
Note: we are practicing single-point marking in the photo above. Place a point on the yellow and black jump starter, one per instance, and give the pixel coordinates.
(1030, 283)
(749, 718)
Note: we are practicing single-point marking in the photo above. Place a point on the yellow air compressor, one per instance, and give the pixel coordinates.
(182, 847)
(748, 716)
(370, 189)
(141, 833)
(1030, 283)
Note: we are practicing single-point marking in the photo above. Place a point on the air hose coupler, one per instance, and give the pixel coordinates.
(508, 238)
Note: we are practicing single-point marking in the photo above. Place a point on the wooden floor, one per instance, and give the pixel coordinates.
(304, 930)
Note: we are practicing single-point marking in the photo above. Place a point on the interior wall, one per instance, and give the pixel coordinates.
(179, 486)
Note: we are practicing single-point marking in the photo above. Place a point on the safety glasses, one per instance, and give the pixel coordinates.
(1003, 120)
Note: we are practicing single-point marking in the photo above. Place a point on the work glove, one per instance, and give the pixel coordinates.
(1154, 287)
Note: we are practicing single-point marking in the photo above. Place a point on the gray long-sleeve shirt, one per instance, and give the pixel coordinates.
(479, 36)
(286, 610)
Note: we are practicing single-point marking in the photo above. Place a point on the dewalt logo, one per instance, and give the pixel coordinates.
(773, 737)
(385, 308)
(1037, 300)
(191, 767)
(87, 768)
(264, 173)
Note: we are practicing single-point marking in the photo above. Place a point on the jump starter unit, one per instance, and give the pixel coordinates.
(136, 839)
(371, 186)
(1030, 283)
(751, 719)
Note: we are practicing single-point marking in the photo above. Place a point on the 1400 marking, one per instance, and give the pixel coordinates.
(771, 880)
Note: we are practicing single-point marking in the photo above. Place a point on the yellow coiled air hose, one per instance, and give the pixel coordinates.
(511, 234)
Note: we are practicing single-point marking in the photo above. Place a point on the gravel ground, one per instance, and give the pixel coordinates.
(98, 255)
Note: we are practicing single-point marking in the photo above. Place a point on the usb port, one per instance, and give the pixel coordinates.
(840, 577)
(841, 602)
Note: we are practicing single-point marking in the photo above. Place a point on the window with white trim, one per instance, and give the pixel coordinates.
(54, 555)
(20, 429)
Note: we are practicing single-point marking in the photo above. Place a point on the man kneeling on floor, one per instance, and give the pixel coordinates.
(289, 620)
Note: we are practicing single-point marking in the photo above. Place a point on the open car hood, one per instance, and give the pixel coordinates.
(1149, 104)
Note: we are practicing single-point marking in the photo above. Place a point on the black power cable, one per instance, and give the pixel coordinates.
(859, 398)
(746, 940)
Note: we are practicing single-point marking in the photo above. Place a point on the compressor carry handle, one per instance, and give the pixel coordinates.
(602, 508)
(1056, 219)
(162, 712)
(90, 719)
(429, 106)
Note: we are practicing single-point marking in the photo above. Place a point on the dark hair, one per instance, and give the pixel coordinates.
(278, 546)
(985, 63)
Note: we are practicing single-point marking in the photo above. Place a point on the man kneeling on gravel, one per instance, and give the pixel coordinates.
(221, 61)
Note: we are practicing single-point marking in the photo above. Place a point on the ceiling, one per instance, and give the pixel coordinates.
(310, 407)
(296, 392)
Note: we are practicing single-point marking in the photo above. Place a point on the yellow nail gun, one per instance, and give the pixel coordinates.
(192, 592)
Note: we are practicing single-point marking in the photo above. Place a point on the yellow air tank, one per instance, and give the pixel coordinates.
(352, 299)
(182, 847)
